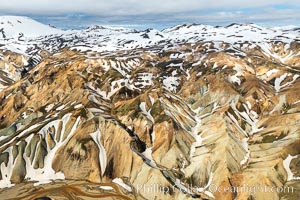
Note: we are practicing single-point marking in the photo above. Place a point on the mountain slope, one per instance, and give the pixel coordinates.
(18, 27)
(152, 114)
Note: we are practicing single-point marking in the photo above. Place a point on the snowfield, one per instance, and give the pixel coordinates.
(21, 34)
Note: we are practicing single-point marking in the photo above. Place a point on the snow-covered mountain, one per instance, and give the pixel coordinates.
(20, 28)
(29, 38)
(99, 38)
(103, 111)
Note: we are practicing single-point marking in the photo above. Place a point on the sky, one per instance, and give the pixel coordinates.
(159, 14)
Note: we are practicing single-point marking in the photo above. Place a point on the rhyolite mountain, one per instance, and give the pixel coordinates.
(99, 112)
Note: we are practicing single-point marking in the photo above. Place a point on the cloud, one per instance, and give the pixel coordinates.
(268, 14)
(154, 13)
(130, 7)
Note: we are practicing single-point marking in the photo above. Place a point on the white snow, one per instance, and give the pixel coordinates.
(279, 80)
(95, 110)
(195, 135)
(78, 106)
(116, 85)
(272, 71)
(16, 26)
(147, 155)
(171, 83)
(49, 107)
(60, 107)
(120, 182)
(296, 102)
(246, 148)
(145, 112)
(248, 105)
(196, 63)
(199, 74)
(100, 39)
(24, 61)
(102, 153)
(249, 116)
(266, 49)
(215, 65)
(234, 78)
(106, 187)
(152, 100)
(24, 115)
(237, 124)
(204, 189)
(144, 79)
(46, 174)
(286, 165)
(6, 170)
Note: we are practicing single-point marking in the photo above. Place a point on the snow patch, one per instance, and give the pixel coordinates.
(102, 153)
(145, 112)
(121, 183)
(286, 165)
